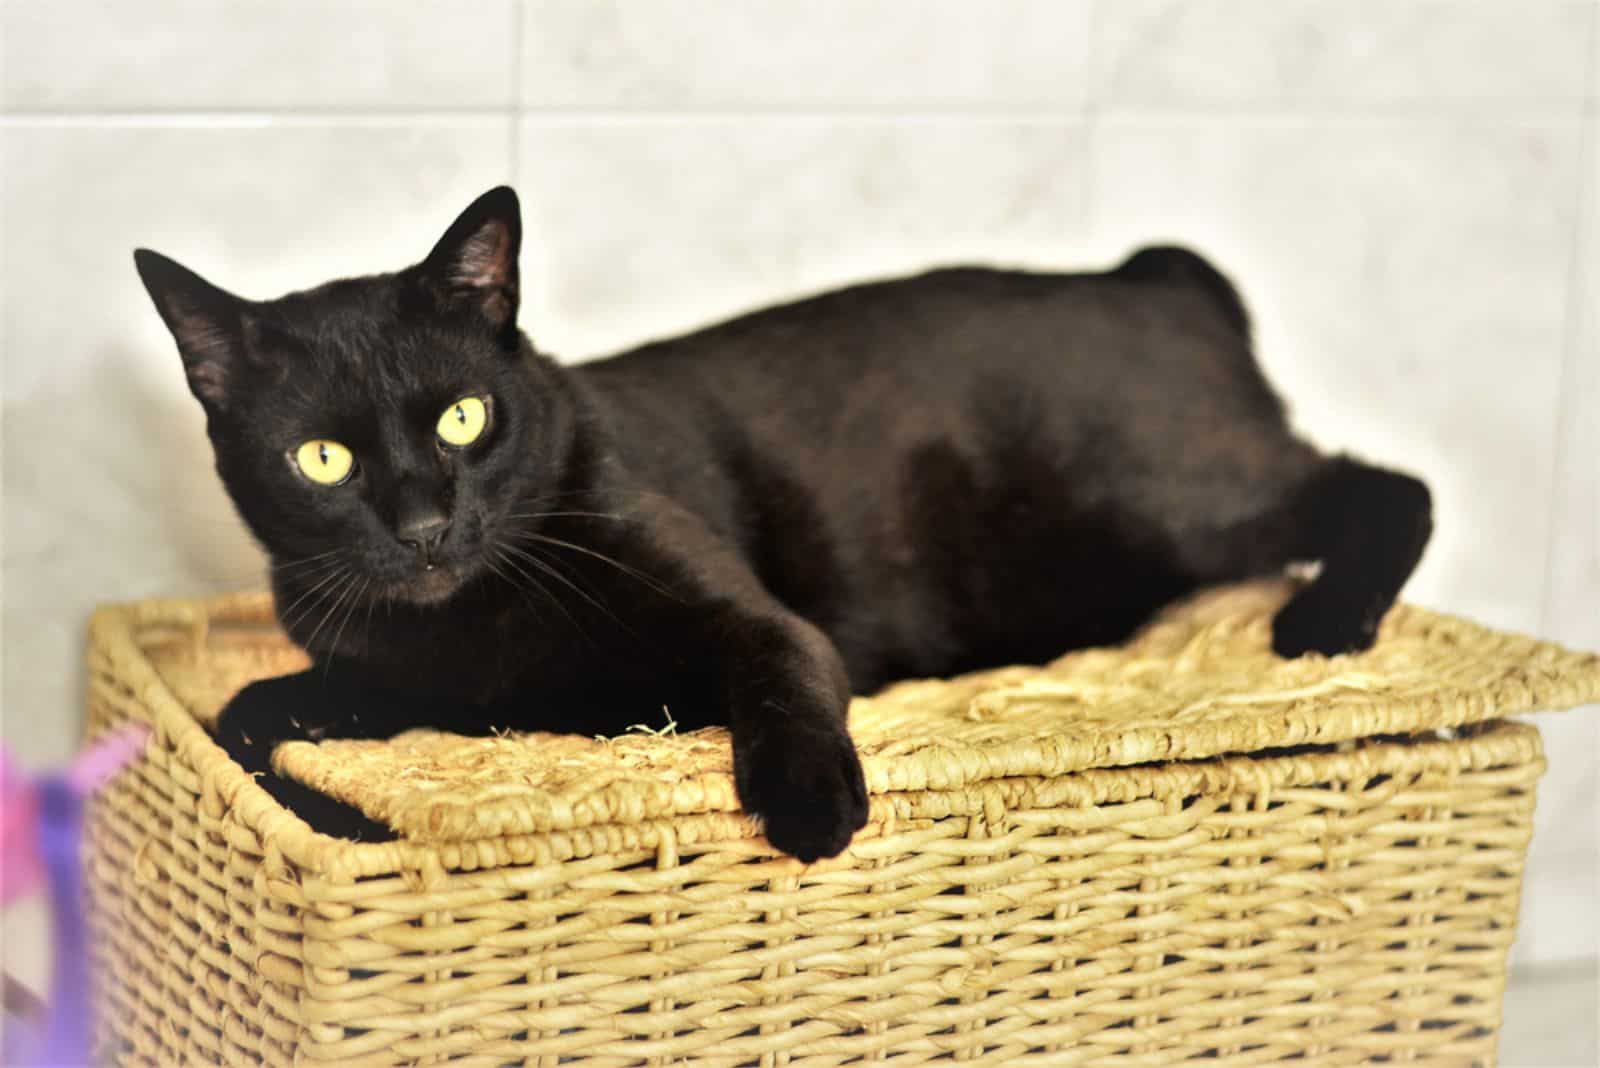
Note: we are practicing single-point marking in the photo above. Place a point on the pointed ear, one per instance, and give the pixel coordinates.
(475, 262)
(207, 323)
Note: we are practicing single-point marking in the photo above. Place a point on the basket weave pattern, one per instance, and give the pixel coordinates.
(1033, 888)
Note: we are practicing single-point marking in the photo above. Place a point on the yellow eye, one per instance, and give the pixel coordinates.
(326, 463)
(463, 421)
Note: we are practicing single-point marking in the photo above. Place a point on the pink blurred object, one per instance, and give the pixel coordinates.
(21, 869)
(21, 864)
(97, 764)
(41, 839)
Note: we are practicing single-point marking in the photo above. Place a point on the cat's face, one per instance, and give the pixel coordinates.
(379, 435)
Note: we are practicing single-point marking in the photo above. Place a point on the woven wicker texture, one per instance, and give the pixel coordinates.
(1201, 682)
(1032, 888)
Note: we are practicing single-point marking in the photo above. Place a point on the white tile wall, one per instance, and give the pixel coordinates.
(1560, 920)
(1550, 1017)
(662, 56)
(791, 204)
(198, 55)
(1594, 64)
(1573, 593)
(1318, 56)
(1397, 186)
(1348, 239)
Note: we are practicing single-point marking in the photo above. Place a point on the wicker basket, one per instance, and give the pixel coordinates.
(1181, 848)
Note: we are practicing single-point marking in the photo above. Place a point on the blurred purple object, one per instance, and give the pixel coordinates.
(41, 840)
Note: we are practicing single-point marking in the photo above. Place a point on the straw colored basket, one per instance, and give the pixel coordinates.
(1183, 848)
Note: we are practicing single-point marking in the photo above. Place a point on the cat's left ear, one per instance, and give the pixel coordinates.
(475, 262)
(207, 323)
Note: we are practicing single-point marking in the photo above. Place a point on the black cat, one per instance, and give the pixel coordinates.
(906, 478)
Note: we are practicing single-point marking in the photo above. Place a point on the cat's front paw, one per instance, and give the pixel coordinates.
(1319, 620)
(805, 783)
(268, 712)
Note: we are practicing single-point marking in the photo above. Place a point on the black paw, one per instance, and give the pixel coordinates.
(805, 783)
(1316, 621)
(324, 814)
(272, 711)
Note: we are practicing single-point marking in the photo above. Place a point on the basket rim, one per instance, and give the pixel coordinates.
(1564, 679)
(113, 632)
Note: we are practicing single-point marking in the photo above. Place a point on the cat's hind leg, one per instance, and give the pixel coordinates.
(1367, 528)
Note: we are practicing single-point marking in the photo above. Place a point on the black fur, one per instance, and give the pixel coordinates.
(905, 478)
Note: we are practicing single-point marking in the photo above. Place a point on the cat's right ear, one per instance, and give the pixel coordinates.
(206, 322)
(475, 263)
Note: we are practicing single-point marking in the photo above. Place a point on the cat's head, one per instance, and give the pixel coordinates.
(377, 434)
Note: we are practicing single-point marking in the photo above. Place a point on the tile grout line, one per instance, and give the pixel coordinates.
(1592, 169)
(514, 104)
(1590, 231)
(1462, 112)
(1573, 317)
(1089, 230)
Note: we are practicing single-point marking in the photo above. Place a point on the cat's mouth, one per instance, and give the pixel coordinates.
(429, 585)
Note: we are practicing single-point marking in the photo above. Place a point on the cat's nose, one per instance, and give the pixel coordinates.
(423, 532)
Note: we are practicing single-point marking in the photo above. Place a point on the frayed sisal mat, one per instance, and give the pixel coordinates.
(1199, 681)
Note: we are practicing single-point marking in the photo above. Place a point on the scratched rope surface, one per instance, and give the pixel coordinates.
(1200, 682)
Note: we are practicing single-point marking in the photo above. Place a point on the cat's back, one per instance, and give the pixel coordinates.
(916, 355)
(908, 445)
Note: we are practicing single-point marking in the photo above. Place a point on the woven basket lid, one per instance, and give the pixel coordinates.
(1200, 681)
